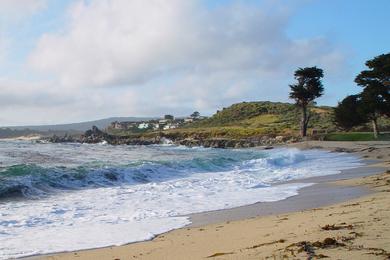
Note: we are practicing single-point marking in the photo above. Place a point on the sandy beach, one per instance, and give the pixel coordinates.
(22, 138)
(342, 217)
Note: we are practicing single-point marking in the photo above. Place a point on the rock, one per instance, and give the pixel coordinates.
(95, 135)
(61, 139)
(230, 144)
(280, 139)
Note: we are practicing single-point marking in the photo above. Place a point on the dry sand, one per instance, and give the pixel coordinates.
(358, 228)
(23, 138)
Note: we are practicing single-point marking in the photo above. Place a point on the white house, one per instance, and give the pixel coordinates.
(170, 126)
(143, 125)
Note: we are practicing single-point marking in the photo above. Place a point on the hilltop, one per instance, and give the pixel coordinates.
(254, 119)
(273, 116)
(262, 123)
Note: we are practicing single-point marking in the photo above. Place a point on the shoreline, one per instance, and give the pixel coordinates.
(309, 198)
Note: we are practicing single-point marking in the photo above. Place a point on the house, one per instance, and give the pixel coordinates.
(143, 125)
(168, 122)
(192, 118)
(122, 125)
(170, 126)
(118, 125)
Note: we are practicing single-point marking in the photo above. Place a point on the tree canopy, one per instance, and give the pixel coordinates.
(308, 87)
(349, 112)
(376, 93)
(196, 114)
(306, 90)
(378, 73)
(376, 84)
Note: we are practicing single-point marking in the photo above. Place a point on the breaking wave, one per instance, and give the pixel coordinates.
(87, 196)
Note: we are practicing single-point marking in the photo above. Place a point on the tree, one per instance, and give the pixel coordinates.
(169, 117)
(196, 114)
(376, 92)
(349, 112)
(375, 103)
(305, 91)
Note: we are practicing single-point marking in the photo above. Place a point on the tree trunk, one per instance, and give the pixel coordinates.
(375, 127)
(304, 122)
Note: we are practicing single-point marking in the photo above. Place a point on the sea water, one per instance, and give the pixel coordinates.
(62, 197)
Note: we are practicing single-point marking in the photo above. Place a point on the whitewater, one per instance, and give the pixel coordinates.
(63, 197)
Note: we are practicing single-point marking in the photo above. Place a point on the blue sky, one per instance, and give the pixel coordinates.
(66, 61)
(360, 26)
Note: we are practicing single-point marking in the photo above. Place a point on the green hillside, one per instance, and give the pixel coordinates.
(269, 116)
(253, 119)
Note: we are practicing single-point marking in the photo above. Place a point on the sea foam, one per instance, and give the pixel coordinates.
(95, 196)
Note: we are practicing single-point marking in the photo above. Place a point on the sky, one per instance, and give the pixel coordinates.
(78, 60)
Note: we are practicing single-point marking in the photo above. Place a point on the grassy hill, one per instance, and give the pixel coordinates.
(271, 117)
(265, 114)
(249, 119)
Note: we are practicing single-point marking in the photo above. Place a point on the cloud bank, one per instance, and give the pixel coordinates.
(136, 57)
(17, 9)
(129, 42)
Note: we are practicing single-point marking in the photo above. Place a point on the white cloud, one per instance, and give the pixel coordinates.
(17, 9)
(131, 41)
(3, 48)
(136, 57)
(110, 42)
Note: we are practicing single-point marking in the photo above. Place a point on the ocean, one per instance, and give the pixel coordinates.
(62, 197)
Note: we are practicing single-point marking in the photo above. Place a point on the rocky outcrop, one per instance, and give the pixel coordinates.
(236, 143)
(95, 135)
(61, 139)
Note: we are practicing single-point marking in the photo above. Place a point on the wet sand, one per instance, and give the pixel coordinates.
(322, 193)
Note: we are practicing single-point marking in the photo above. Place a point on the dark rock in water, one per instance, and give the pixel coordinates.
(266, 141)
(61, 139)
(94, 131)
(95, 135)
